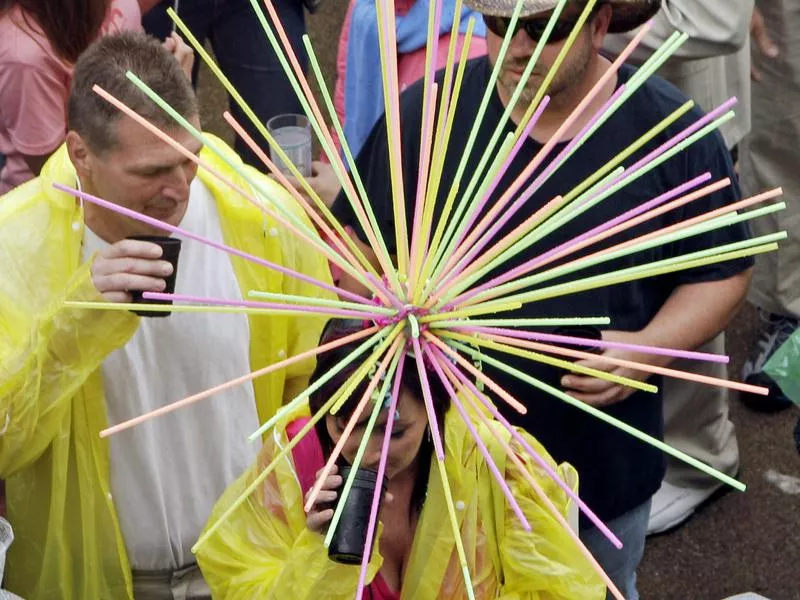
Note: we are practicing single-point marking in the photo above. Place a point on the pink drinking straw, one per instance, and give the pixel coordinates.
(336, 312)
(554, 511)
(729, 208)
(704, 379)
(578, 341)
(199, 238)
(588, 238)
(555, 139)
(515, 207)
(428, 398)
(163, 410)
(376, 495)
(528, 448)
(478, 441)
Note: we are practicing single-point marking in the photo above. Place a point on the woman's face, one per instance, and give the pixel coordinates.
(408, 430)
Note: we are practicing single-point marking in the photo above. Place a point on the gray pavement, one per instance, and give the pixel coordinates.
(743, 541)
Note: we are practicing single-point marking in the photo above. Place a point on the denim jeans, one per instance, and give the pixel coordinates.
(244, 54)
(621, 565)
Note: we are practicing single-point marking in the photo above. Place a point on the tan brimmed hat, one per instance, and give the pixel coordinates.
(628, 14)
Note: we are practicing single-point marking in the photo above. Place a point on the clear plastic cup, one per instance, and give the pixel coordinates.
(293, 134)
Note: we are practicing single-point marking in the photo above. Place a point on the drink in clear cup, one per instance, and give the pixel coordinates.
(293, 134)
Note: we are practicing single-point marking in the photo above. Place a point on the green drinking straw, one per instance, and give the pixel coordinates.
(312, 235)
(291, 405)
(663, 267)
(543, 322)
(234, 93)
(382, 310)
(694, 230)
(362, 447)
(599, 414)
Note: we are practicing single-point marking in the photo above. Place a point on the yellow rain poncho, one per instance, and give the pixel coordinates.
(52, 406)
(265, 551)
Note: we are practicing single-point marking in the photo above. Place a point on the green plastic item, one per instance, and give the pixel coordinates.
(784, 367)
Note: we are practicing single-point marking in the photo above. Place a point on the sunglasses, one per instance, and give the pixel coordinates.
(534, 27)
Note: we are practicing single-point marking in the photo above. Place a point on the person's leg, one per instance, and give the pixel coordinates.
(246, 57)
(697, 422)
(621, 565)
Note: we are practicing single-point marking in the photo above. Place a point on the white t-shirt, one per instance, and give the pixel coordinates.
(167, 474)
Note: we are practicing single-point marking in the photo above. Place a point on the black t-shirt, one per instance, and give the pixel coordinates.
(617, 471)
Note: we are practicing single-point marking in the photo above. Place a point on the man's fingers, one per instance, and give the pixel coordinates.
(610, 396)
(316, 521)
(117, 282)
(134, 266)
(134, 248)
(589, 385)
(119, 297)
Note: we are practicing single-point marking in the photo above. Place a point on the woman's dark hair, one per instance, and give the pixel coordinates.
(70, 26)
(339, 328)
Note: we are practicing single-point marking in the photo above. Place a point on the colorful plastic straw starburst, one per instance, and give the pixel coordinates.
(431, 300)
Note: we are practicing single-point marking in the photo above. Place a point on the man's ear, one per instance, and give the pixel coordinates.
(79, 154)
(600, 25)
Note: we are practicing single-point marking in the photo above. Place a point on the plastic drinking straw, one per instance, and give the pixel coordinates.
(465, 250)
(478, 441)
(494, 341)
(623, 222)
(540, 493)
(376, 495)
(418, 244)
(355, 266)
(427, 396)
(573, 145)
(673, 265)
(586, 205)
(278, 307)
(487, 96)
(466, 199)
(280, 456)
(523, 233)
(603, 417)
(632, 85)
(639, 366)
(198, 47)
(351, 423)
(442, 145)
(394, 355)
(238, 168)
(616, 225)
(682, 230)
(478, 309)
(381, 310)
(543, 464)
(199, 238)
(475, 327)
(561, 364)
(451, 512)
(391, 97)
(163, 410)
(304, 232)
(297, 400)
(322, 133)
(541, 322)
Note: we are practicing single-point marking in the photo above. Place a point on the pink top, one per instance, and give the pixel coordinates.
(308, 459)
(410, 67)
(34, 88)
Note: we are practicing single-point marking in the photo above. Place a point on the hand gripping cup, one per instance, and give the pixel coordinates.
(347, 545)
(171, 249)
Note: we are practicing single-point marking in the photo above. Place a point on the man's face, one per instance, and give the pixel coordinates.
(141, 173)
(569, 76)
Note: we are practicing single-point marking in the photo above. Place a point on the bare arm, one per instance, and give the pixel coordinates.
(715, 28)
(691, 316)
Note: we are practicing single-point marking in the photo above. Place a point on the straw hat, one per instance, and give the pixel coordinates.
(628, 14)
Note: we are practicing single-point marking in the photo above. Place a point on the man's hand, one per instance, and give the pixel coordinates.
(323, 181)
(599, 392)
(129, 265)
(762, 41)
(182, 53)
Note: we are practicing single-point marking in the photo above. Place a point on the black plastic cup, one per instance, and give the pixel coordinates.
(347, 545)
(170, 251)
(586, 332)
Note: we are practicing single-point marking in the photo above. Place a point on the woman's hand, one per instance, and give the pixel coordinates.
(182, 52)
(319, 516)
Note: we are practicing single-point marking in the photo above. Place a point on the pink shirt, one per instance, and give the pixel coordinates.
(34, 88)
